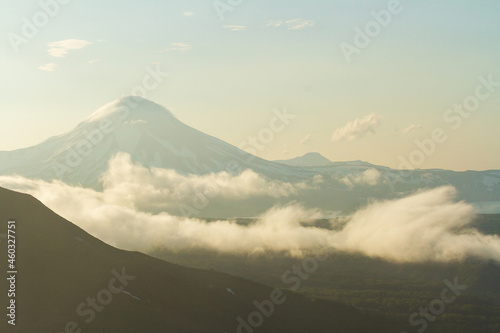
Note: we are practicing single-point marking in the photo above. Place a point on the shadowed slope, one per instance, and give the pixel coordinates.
(61, 266)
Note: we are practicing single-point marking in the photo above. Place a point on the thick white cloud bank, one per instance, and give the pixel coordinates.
(426, 226)
(152, 190)
(119, 224)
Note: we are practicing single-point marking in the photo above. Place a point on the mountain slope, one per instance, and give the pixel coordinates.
(67, 278)
(153, 137)
(146, 131)
(309, 159)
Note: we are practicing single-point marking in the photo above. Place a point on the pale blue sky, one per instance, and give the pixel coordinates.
(227, 76)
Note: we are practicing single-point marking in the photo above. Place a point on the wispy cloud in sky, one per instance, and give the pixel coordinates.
(180, 47)
(307, 139)
(188, 14)
(48, 67)
(274, 23)
(357, 128)
(61, 48)
(410, 129)
(235, 27)
(293, 24)
(298, 23)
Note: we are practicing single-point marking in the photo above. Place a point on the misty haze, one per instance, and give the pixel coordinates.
(235, 166)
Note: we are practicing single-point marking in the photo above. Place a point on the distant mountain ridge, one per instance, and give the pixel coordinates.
(309, 159)
(315, 159)
(154, 137)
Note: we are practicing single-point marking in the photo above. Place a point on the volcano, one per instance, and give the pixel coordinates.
(149, 133)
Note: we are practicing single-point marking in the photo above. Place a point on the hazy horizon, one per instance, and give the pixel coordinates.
(402, 166)
(226, 76)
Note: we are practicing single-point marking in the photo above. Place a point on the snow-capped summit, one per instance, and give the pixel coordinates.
(134, 108)
(154, 137)
(147, 131)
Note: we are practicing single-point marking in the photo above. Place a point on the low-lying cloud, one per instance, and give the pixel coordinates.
(156, 189)
(119, 224)
(369, 177)
(426, 226)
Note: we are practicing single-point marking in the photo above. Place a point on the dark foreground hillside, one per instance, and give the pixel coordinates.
(69, 281)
